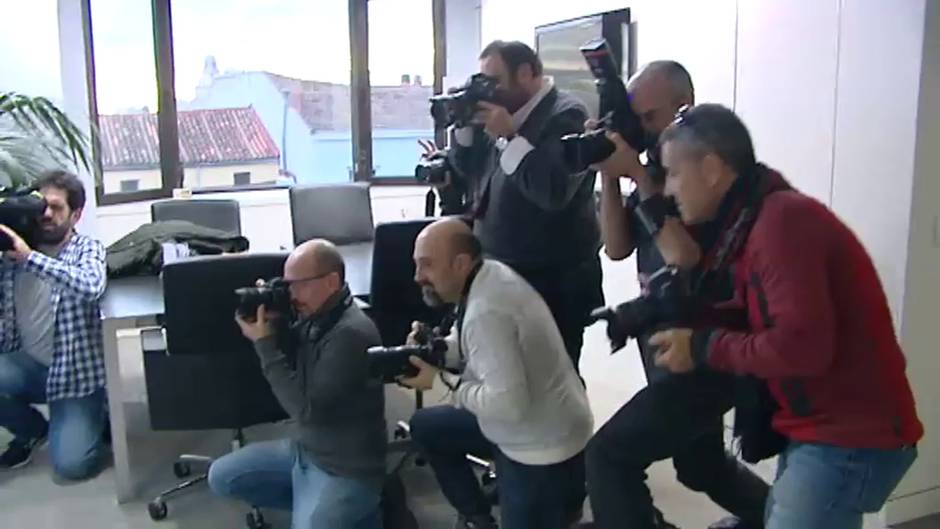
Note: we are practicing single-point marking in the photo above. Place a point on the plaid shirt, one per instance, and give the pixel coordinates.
(78, 278)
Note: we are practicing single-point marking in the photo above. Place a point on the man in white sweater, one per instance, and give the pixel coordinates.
(517, 400)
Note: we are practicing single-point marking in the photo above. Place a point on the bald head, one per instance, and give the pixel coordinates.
(317, 257)
(657, 92)
(445, 254)
(452, 236)
(669, 76)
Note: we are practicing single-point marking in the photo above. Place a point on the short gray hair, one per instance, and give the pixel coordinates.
(712, 128)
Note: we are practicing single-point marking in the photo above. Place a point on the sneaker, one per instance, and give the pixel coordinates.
(476, 522)
(19, 453)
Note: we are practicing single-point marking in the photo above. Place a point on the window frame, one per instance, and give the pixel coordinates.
(171, 170)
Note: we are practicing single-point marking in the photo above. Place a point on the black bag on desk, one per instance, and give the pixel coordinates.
(141, 251)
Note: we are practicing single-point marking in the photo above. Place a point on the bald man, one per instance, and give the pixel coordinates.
(330, 474)
(651, 424)
(517, 398)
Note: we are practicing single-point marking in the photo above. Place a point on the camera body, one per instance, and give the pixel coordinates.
(274, 295)
(434, 169)
(459, 105)
(20, 210)
(615, 113)
(669, 303)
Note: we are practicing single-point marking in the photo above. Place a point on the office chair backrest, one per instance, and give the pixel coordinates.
(394, 298)
(341, 213)
(199, 298)
(219, 214)
(209, 377)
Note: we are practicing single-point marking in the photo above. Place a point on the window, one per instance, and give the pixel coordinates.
(126, 92)
(188, 96)
(129, 185)
(401, 68)
(267, 85)
(242, 178)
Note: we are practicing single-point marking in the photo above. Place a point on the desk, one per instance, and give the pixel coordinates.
(133, 302)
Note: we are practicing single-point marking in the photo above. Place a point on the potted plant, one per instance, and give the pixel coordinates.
(34, 136)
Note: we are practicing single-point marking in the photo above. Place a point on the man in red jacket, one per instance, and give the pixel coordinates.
(821, 333)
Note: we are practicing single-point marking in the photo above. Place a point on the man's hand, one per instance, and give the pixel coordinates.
(496, 120)
(424, 380)
(675, 350)
(21, 250)
(677, 246)
(625, 161)
(259, 328)
(418, 330)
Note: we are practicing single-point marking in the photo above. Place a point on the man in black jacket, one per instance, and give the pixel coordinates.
(528, 210)
(330, 475)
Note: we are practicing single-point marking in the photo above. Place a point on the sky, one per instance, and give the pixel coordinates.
(306, 39)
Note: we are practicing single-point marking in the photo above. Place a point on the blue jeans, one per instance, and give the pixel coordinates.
(280, 475)
(530, 496)
(827, 487)
(76, 426)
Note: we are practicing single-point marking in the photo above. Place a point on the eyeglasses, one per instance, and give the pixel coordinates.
(682, 117)
(305, 279)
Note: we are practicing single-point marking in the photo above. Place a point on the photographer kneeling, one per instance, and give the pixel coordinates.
(331, 474)
(819, 331)
(518, 398)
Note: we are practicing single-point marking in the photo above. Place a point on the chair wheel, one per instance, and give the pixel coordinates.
(489, 486)
(255, 520)
(182, 470)
(157, 510)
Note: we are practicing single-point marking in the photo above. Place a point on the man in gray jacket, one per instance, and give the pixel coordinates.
(517, 400)
(330, 475)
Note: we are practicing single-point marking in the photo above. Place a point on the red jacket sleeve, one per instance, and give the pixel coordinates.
(788, 265)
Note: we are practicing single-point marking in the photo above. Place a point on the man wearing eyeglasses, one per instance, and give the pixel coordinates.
(330, 474)
(678, 417)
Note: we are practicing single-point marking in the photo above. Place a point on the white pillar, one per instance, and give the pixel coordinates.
(75, 94)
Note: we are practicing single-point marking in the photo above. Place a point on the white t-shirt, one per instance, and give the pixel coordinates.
(35, 319)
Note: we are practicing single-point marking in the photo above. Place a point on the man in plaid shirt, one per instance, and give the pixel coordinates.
(50, 337)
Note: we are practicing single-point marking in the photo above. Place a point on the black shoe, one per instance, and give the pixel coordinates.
(733, 522)
(19, 453)
(485, 521)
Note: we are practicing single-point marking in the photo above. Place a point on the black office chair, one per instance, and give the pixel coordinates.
(394, 298)
(219, 214)
(340, 213)
(209, 376)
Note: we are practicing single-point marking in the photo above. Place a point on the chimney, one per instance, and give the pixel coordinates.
(405, 79)
(417, 80)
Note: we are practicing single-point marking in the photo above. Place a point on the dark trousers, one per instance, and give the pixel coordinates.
(678, 417)
(571, 293)
(530, 496)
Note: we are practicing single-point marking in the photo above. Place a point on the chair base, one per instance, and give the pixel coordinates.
(182, 468)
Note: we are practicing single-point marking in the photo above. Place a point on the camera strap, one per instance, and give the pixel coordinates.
(462, 310)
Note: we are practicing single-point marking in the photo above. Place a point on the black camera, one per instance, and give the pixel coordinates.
(20, 210)
(389, 363)
(459, 104)
(433, 169)
(669, 302)
(274, 295)
(615, 113)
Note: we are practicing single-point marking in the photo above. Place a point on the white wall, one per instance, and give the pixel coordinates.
(835, 97)
(920, 333)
